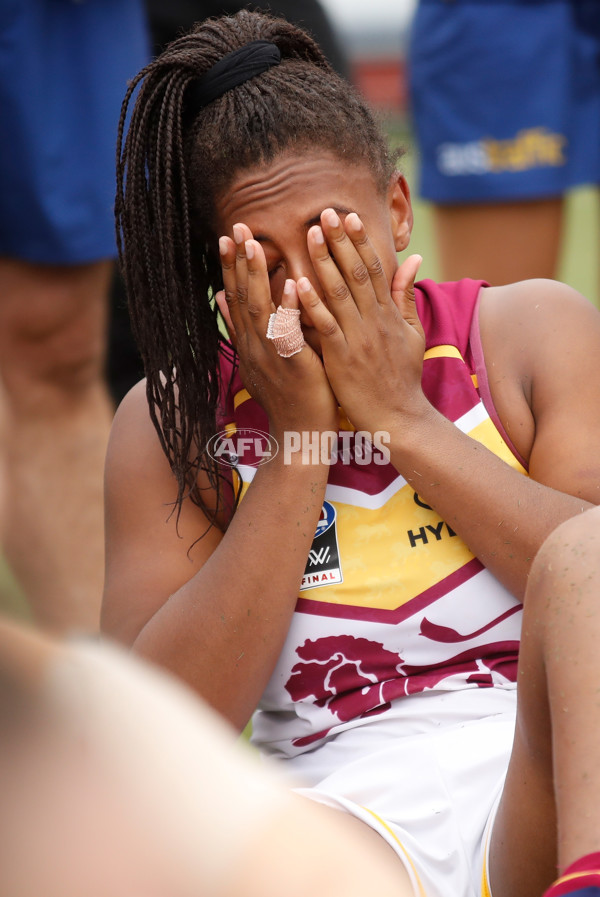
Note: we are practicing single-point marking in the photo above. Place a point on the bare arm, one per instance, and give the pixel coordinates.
(542, 343)
(217, 615)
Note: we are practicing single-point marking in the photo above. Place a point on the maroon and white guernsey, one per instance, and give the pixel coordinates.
(392, 602)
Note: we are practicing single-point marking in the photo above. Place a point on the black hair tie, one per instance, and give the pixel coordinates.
(237, 67)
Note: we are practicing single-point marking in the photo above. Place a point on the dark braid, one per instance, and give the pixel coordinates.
(172, 168)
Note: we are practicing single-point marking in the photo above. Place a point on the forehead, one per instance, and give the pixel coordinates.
(296, 186)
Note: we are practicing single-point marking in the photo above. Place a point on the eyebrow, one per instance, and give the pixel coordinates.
(316, 219)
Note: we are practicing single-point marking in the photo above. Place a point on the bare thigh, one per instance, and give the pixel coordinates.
(549, 809)
(523, 843)
(500, 242)
(53, 323)
(311, 848)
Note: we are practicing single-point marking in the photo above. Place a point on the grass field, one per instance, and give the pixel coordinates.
(12, 600)
(579, 267)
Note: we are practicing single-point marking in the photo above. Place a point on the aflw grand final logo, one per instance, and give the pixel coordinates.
(323, 563)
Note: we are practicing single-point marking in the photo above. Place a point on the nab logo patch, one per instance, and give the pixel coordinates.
(326, 520)
(323, 563)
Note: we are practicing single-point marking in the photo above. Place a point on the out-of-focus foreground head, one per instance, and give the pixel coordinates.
(114, 778)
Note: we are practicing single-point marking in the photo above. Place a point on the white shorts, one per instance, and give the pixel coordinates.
(427, 779)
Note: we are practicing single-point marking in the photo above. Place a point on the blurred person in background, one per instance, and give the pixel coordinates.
(3, 482)
(169, 19)
(506, 107)
(64, 66)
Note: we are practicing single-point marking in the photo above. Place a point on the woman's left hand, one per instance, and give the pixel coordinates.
(372, 341)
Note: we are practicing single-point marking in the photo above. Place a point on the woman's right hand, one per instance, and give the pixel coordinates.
(294, 392)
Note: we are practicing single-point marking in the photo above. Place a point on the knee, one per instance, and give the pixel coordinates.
(60, 364)
(53, 341)
(568, 562)
(3, 442)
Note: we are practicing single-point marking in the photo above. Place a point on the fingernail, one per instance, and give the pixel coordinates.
(331, 217)
(249, 249)
(304, 285)
(288, 288)
(223, 245)
(353, 221)
(238, 233)
(318, 235)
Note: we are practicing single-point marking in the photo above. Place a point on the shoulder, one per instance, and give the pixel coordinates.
(133, 405)
(137, 462)
(537, 322)
(540, 300)
(541, 345)
(152, 549)
(133, 439)
(138, 477)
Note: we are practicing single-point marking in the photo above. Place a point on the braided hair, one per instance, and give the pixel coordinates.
(173, 165)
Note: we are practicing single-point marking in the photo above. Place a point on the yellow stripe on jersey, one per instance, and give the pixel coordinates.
(572, 876)
(447, 352)
(240, 397)
(442, 352)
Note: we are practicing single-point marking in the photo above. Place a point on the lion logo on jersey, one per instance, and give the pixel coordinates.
(345, 674)
(356, 677)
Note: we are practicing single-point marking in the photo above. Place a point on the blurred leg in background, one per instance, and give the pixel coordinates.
(3, 478)
(63, 74)
(52, 326)
(506, 106)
